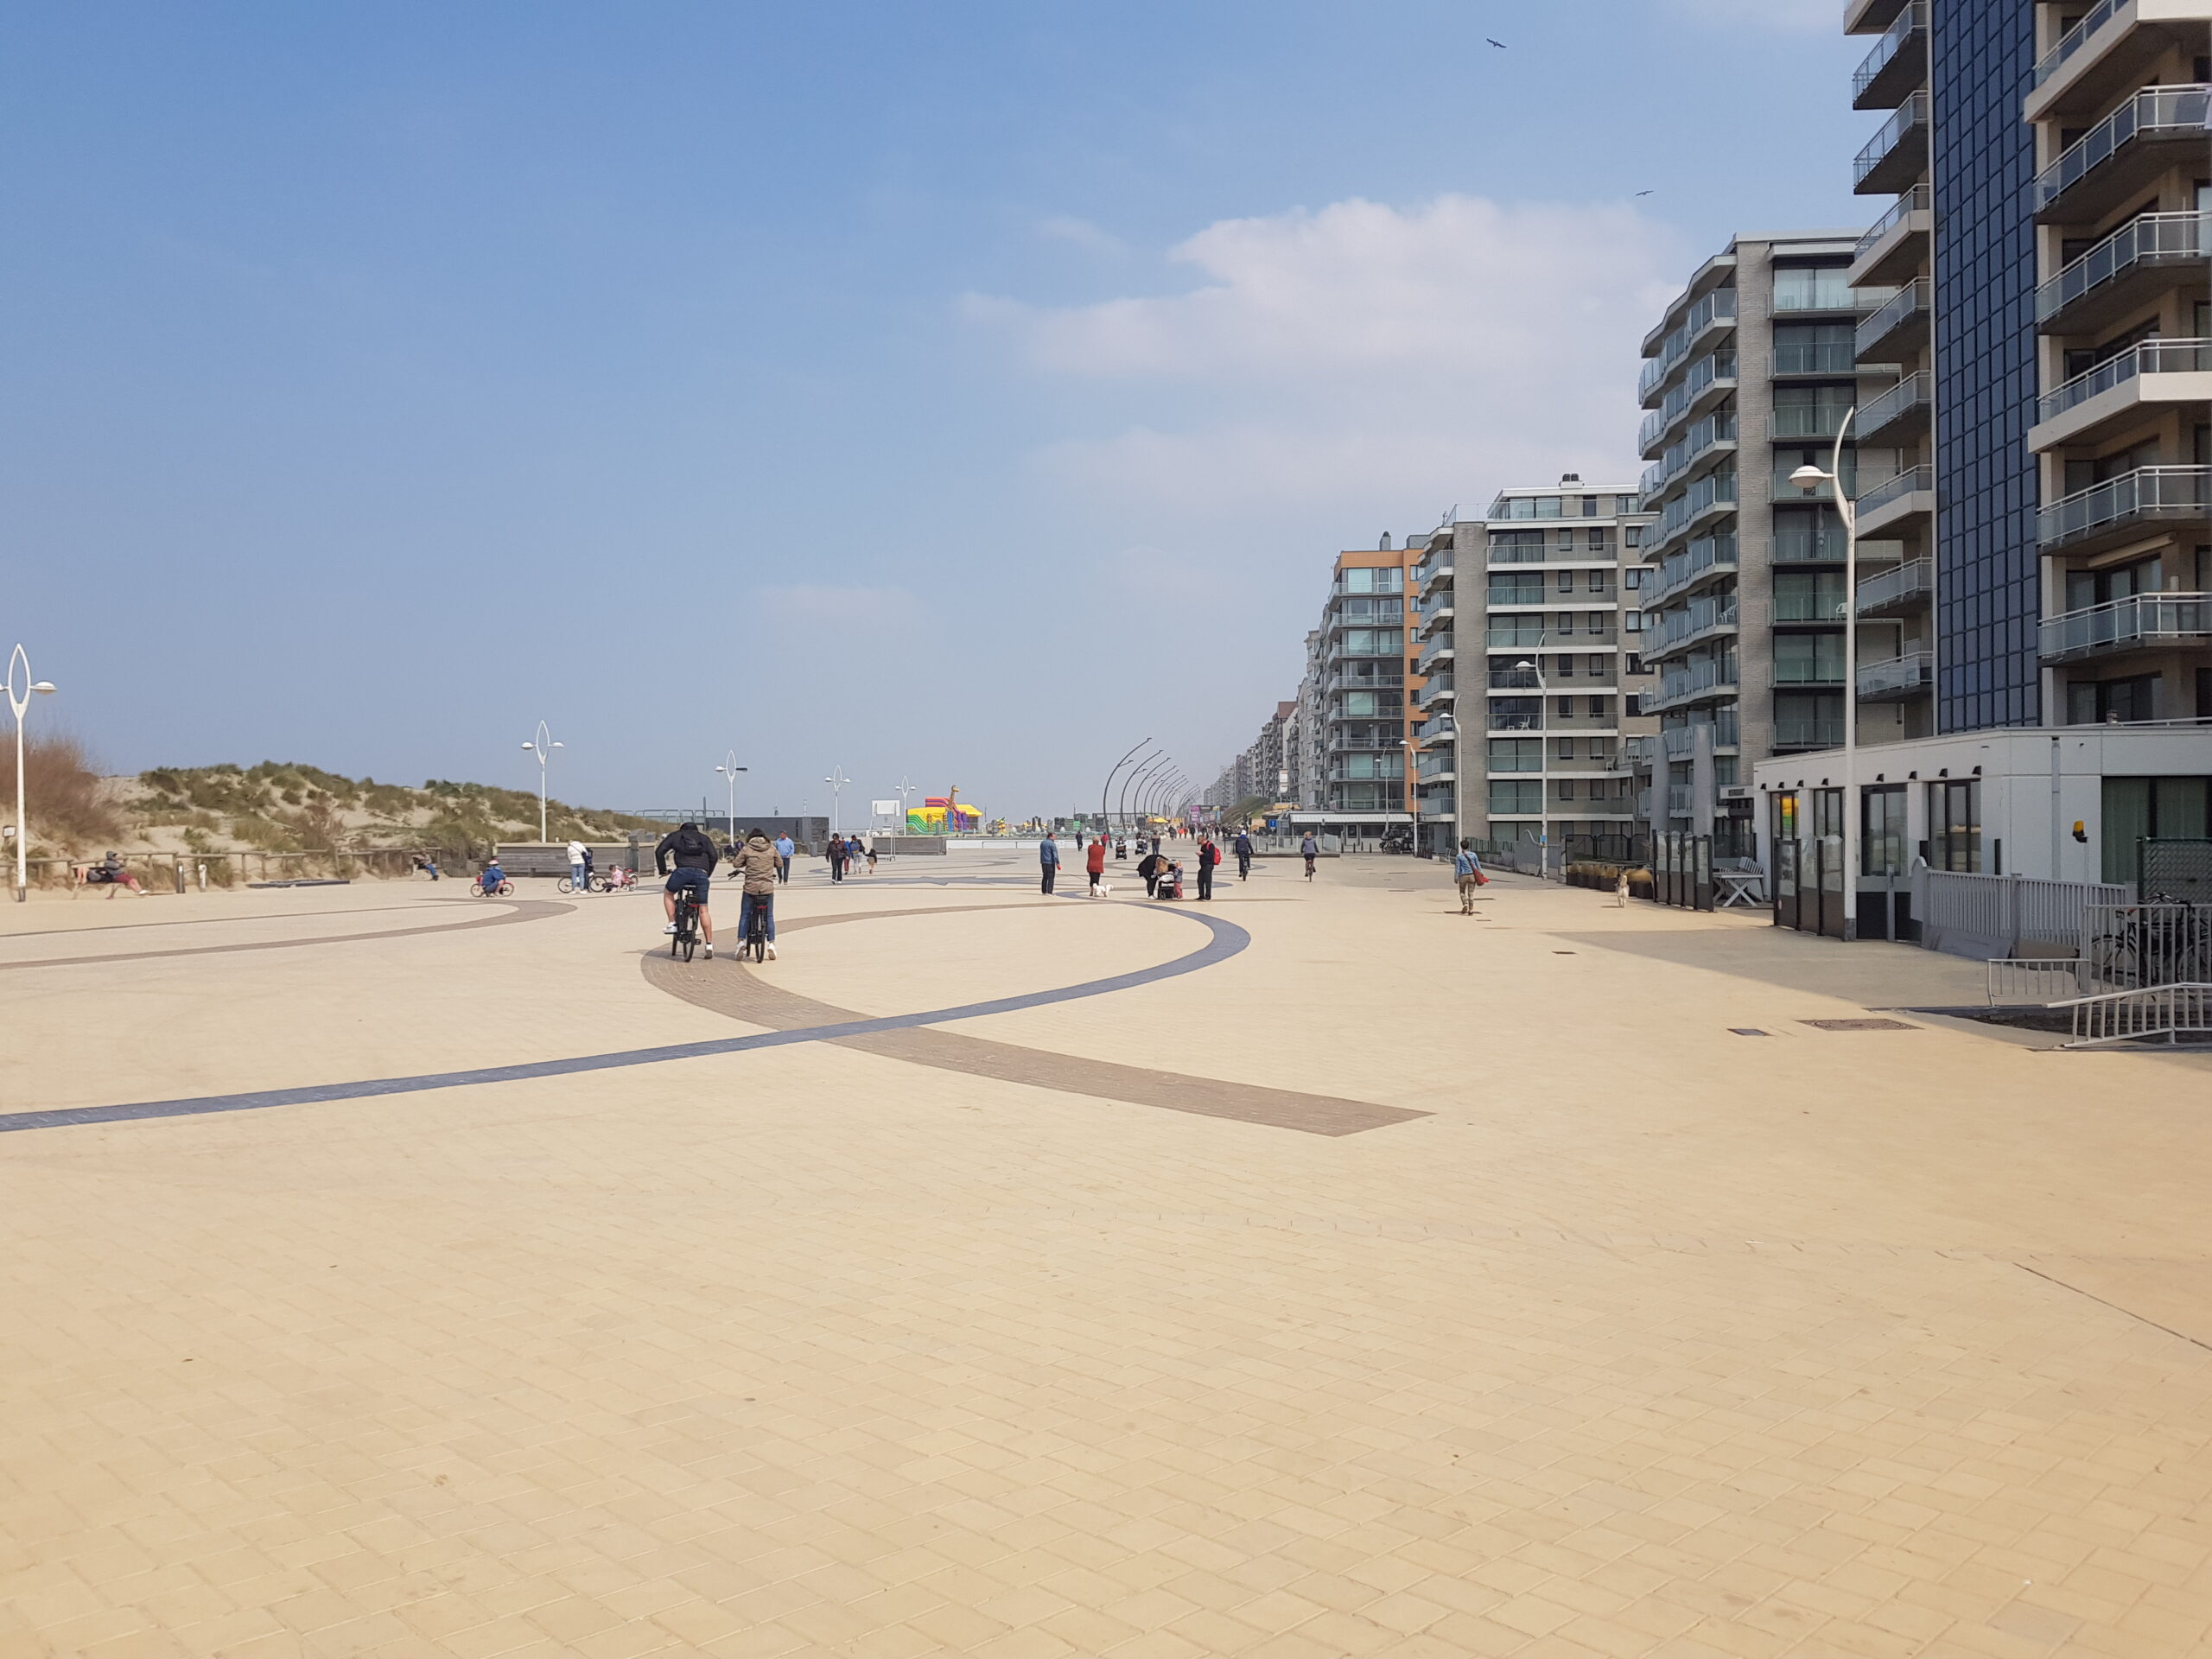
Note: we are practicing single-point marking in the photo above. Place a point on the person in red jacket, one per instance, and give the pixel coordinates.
(1209, 856)
(1094, 864)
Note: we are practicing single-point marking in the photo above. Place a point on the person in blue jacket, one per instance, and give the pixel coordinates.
(1048, 862)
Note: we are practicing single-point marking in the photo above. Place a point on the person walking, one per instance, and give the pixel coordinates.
(1468, 870)
(579, 877)
(1048, 863)
(784, 847)
(1209, 856)
(836, 858)
(1094, 865)
(869, 844)
(1243, 846)
(757, 864)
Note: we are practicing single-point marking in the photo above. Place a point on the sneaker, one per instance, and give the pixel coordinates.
(671, 928)
(771, 953)
(710, 953)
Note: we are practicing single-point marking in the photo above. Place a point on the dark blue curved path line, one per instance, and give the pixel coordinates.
(1227, 940)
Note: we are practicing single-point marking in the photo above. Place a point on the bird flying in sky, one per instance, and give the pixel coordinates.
(1500, 45)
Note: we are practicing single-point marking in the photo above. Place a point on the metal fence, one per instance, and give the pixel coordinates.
(2168, 1011)
(2127, 947)
(1988, 917)
(2174, 869)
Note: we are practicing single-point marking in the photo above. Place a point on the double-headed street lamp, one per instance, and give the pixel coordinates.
(19, 699)
(836, 780)
(1534, 669)
(543, 747)
(1809, 477)
(730, 768)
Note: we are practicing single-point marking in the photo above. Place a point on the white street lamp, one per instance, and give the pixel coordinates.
(20, 700)
(905, 790)
(730, 768)
(542, 748)
(836, 780)
(1535, 666)
(1809, 477)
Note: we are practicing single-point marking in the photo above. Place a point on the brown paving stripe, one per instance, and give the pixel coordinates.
(743, 995)
(509, 911)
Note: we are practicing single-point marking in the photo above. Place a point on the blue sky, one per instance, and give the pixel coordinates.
(962, 391)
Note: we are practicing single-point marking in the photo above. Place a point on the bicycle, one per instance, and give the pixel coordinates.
(568, 883)
(756, 931)
(685, 939)
(504, 890)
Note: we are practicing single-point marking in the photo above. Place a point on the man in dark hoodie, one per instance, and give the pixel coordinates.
(695, 857)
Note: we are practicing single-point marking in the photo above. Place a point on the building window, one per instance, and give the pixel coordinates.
(1632, 578)
(1563, 668)
(1565, 707)
(1516, 754)
(1601, 708)
(1954, 825)
(1567, 789)
(1516, 588)
(1514, 795)
(2096, 702)
(1635, 663)
(1627, 504)
(2152, 808)
(1566, 581)
(1563, 747)
(1881, 830)
(1590, 508)
(1807, 658)
(1599, 580)
(1632, 621)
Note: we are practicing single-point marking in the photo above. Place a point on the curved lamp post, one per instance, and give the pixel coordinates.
(1135, 780)
(836, 780)
(1809, 477)
(543, 747)
(1107, 788)
(19, 699)
(1535, 667)
(729, 769)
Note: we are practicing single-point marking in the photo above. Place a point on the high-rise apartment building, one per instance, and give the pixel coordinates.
(1369, 673)
(1529, 714)
(1747, 376)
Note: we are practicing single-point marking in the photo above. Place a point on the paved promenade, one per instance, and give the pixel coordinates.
(1318, 1272)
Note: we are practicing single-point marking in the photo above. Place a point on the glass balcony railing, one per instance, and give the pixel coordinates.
(1828, 358)
(1713, 433)
(1909, 122)
(1797, 607)
(1808, 734)
(2154, 112)
(1911, 481)
(1912, 392)
(1911, 28)
(1699, 616)
(2077, 37)
(1914, 200)
(2128, 624)
(1680, 570)
(2149, 240)
(1715, 490)
(1807, 420)
(1680, 742)
(1438, 647)
(2147, 492)
(1913, 580)
(1720, 306)
(1896, 676)
(1714, 674)
(1713, 369)
(2149, 356)
(1910, 301)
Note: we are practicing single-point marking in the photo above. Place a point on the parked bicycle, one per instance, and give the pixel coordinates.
(598, 883)
(2157, 943)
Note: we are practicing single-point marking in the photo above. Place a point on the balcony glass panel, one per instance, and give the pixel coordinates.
(1911, 114)
(1914, 200)
(2155, 112)
(2124, 624)
(1911, 481)
(2077, 37)
(2150, 236)
(1908, 301)
(1914, 578)
(1910, 392)
(1812, 287)
(1913, 20)
(2146, 492)
(2149, 356)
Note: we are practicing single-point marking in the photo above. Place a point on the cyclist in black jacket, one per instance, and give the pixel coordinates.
(695, 857)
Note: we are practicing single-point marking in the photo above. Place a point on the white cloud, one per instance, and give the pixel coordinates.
(1792, 16)
(1366, 352)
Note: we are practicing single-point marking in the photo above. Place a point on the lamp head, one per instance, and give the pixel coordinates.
(530, 746)
(44, 688)
(1809, 477)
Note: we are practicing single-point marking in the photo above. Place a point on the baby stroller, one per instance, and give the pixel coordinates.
(1171, 883)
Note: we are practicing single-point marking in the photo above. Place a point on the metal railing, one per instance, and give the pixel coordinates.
(1912, 113)
(1913, 20)
(1808, 734)
(1678, 570)
(1699, 616)
(2123, 624)
(1701, 440)
(1914, 200)
(2146, 492)
(1440, 646)
(1714, 489)
(2147, 357)
(1707, 371)
(1911, 481)
(1911, 672)
(2135, 946)
(1806, 420)
(2167, 1012)
(1720, 306)
(2074, 38)
(1439, 686)
(1914, 578)
(1698, 677)
(1910, 300)
(1835, 357)
(1908, 393)
(2150, 238)
(1967, 913)
(2154, 111)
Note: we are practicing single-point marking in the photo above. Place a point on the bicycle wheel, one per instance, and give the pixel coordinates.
(476, 889)
(599, 884)
(566, 884)
(507, 889)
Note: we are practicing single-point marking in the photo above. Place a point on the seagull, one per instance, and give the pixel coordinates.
(1643, 193)
(1500, 45)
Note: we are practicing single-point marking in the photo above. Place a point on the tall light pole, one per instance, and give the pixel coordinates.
(1107, 788)
(836, 780)
(905, 790)
(1134, 780)
(1809, 477)
(1535, 667)
(19, 667)
(729, 769)
(543, 747)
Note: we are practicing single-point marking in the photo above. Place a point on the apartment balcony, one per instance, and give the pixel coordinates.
(1809, 734)
(1709, 318)
(1436, 769)
(2125, 506)
(1438, 729)
(2109, 52)
(1358, 680)
(1898, 503)
(1710, 497)
(1897, 246)
(1363, 743)
(1512, 725)
(1435, 609)
(1701, 619)
(2151, 374)
(1870, 16)
(1705, 386)
(1438, 649)
(2123, 155)
(1680, 742)
(1813, 608)
(1714, 434)
(1896, 65)
(1899, 415)
(2137, 263)
(1703, 559)
(1635, 755)
(1900, 676)
(1681, 800)
(1896, 156)
(1438, 693)
(1899, 328)
(1698, 682)
(2141, 622)
(1910, 587)
(1515, 679)
(1796, 422)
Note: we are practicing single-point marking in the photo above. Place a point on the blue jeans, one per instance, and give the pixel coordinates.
(576, 874)
(766, 901)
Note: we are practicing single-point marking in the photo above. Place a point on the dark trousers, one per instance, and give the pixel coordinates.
(836, 869)
(1243, 867)
(783, 868)
(1205, 880)
(1052, 873)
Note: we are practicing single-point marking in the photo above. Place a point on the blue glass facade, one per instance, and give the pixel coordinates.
(1982, 161)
